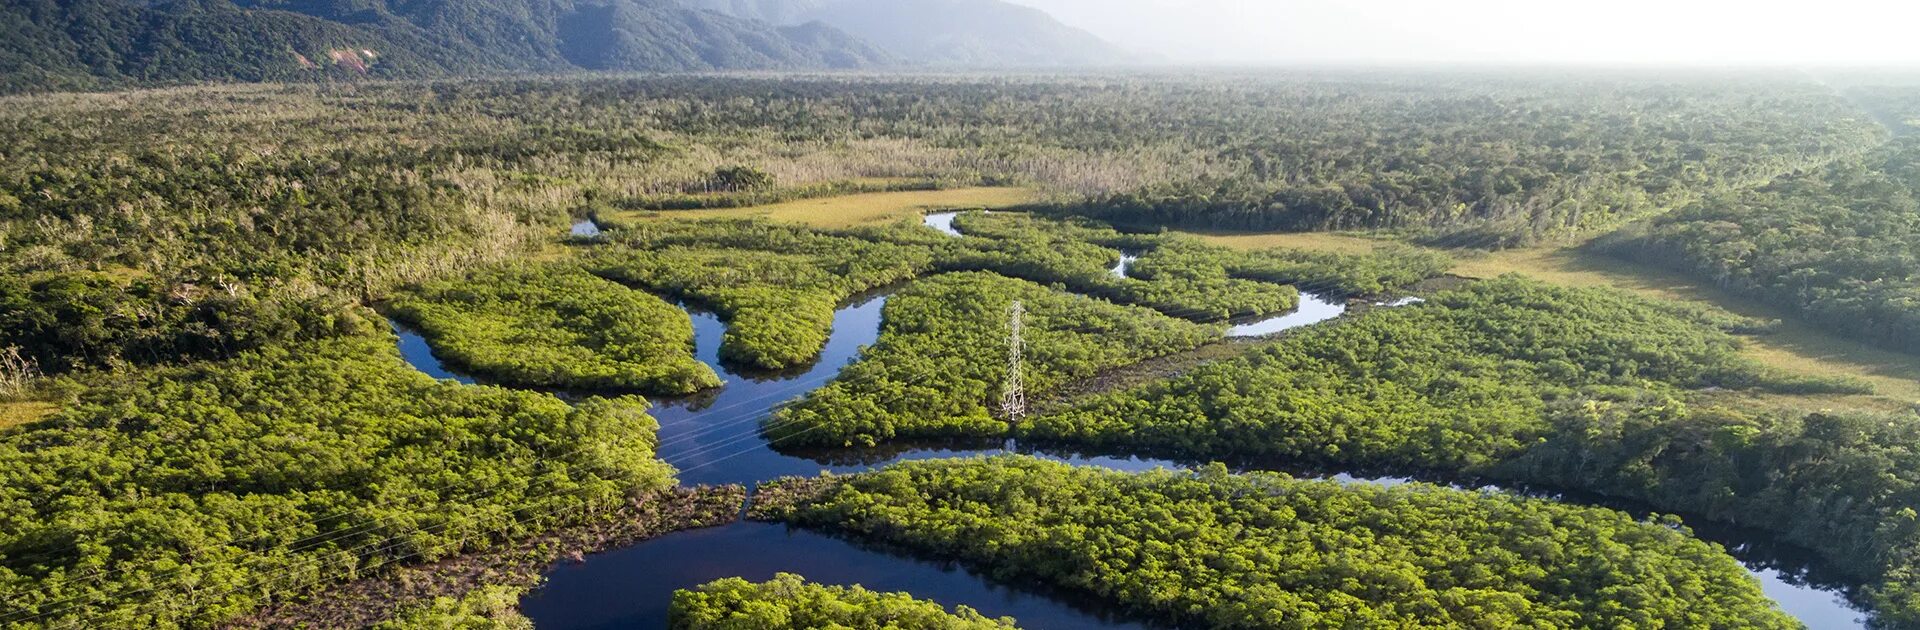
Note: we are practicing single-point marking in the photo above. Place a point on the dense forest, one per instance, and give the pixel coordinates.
(227, 219)
(954, 33)
(559, 327)
(776, 285)
(1452, 382)
(216, 419)
(1217, 550)
(189, 496)
(91, 44)
(938, 368)
(1839, 245)
(490, 608)
(789, 602)
(1574, 389)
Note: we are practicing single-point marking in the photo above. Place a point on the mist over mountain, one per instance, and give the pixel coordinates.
(974, 33)
(87, 44)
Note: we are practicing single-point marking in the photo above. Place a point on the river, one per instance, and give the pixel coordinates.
(715, 439)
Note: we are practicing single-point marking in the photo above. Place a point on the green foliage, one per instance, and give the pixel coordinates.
(777, 286)
(1459, 381)
(1377, 273)
(558, 326)
(67, 321)
(1071, 254)
(1176, 273)
(485, 608)
(1500, 163)
(1562, 388)
(1840, 245)
(1842, 484)
(740, 179)
(187, 496)
(941, 359)
(1210, 549)
(789, 602)
(49, 45)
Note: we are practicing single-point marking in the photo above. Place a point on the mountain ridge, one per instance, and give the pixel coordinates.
(49, 45)
(943, 32)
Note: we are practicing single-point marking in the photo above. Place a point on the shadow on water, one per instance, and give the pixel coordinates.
(714, 438)
(633, 587)
(417, 352)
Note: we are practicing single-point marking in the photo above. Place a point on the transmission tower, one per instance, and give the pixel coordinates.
(1013, 401)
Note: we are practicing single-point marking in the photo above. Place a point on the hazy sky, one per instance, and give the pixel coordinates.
(1696, 32)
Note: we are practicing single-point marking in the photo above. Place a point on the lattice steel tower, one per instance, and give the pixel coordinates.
(1013, 400)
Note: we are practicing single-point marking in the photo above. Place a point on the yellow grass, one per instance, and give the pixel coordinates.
(861, 209)
(18, 413)
(1796, 346)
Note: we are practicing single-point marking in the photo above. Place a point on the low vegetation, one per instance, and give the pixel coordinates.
(1212, 549)
(789, 602)
(557, 326)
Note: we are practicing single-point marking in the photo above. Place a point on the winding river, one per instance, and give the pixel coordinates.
(715, 439)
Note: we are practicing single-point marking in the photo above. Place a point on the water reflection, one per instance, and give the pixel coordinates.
(942, 221)
(1314, 308)
(1126, 264)
(585, 228)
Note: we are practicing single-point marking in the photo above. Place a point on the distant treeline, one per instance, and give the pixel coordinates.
(1840, 245)
(223, 219)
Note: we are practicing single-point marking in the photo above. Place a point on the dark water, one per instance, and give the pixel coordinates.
(715, 439)
(632, 587)
(416, 351)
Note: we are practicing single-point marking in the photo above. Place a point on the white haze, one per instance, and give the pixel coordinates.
(1610, 32)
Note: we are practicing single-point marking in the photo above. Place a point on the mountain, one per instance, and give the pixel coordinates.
(977, 33)
(89, 44)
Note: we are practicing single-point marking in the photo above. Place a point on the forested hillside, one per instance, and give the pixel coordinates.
(969, 33)
(92, 44)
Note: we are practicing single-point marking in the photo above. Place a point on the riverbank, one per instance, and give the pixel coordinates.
(518, 564)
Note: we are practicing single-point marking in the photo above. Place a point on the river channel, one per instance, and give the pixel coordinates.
(715, 439)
